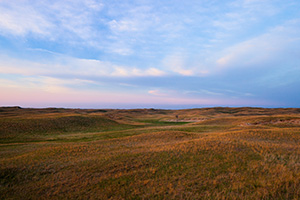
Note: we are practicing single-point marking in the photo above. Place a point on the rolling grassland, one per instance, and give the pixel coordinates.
(209, 153)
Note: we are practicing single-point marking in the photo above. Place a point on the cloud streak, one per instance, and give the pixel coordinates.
(266, 50)
(73, 67)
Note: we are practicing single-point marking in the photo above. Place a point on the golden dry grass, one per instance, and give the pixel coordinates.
(229, 155)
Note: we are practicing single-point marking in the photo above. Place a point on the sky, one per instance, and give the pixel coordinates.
(149, 53)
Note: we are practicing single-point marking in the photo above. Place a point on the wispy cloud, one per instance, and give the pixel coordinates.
(19, 18)
(266, 50)
(157, 93)
(177, 64)
(56, 20)
(69, 66)
(244, 14)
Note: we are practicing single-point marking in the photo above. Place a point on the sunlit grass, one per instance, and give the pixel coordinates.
(220, 158)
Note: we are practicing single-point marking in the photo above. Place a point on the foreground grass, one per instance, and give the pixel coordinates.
(214, 159)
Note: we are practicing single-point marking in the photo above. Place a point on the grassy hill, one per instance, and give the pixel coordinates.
(209, 153)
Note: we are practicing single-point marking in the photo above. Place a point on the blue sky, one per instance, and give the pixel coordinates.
(142, 53)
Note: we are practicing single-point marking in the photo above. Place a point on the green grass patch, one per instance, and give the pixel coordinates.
(157, 122)
(24, 130)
